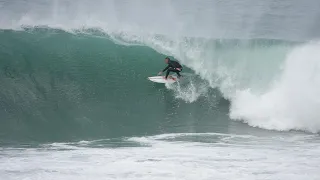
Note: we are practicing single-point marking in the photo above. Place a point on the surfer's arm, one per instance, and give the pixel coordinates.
(165, 68)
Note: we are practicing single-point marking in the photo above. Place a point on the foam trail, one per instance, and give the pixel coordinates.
(189, 88)
(293, 102)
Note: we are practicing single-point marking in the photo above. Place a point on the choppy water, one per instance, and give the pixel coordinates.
(75, 102)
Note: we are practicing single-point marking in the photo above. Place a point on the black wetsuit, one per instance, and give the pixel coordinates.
(173, 66)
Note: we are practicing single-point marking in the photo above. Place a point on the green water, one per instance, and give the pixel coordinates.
(75, 102)
(57, 86)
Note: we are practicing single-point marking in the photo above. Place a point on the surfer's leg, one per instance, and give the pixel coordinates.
(178, 74)
(173, 70)
(167, 74)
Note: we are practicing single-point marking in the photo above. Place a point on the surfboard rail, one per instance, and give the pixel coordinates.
(161, 79)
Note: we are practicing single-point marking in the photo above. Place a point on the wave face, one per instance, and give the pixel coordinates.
(58, 86)
(260, 55)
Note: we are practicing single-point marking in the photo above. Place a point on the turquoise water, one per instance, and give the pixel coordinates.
(59, 86)
(75, 101)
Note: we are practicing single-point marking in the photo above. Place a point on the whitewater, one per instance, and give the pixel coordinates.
(244, 71)
(75, 102)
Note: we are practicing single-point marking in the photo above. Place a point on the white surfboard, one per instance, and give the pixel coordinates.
(160, 79)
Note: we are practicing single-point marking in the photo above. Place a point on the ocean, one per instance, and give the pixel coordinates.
(75, 101)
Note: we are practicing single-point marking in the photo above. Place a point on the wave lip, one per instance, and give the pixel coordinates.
(242, 71)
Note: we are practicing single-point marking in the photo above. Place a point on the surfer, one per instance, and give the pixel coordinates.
(173, 66)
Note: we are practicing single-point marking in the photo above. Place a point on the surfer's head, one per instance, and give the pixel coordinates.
(167, 60)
